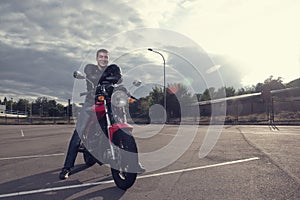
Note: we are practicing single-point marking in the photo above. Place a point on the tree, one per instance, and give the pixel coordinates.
(156, 96)
(5, 101)
(208, 94)
(52, 108)
(246, 90)
(197, 96)
(175, 99)
(10, 105)
(178, 99)
(39, 107)
(274, 84)
(22, 105)
(44, 107)
(224, 92)
(140, 108)
(270, 84)
(294, 83)
(259, 87)
(230, 91)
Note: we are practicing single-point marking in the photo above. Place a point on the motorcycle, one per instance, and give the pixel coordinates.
(108, 138)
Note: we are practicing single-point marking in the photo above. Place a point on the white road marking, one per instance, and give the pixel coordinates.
(32, 156)
(170, 134)
(200, 167)
(22, 133)
(54, 189)
(272, 133)
(139, 177)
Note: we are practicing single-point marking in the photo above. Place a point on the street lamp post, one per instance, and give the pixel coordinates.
(165, 89)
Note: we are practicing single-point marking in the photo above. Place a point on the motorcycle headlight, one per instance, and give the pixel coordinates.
(119, 98)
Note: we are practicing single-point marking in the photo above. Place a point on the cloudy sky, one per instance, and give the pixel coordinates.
(205, 43)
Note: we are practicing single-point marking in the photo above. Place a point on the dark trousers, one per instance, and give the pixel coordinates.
(72, 151)
(83, 119)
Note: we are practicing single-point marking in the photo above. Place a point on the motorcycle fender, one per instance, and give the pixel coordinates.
(115, 127)
(99, 109)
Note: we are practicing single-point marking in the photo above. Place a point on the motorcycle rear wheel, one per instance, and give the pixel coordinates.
(123, 173)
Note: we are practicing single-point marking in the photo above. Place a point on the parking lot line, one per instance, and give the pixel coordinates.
(32, 156)
(139, 177)
(200, 167)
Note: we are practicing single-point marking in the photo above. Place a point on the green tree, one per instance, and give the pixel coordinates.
(246, 90)
(10, 105)
(274, 84)
(140, 108)
(179, 101)
(230, 91)
(224, 92)
(208, 94)
(5, 101)
(52, 108)
(22, 106)
(39, 106)
(294, 83)
(197, 96)
(156, 96)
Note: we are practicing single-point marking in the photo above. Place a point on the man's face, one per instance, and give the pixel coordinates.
(102, 59)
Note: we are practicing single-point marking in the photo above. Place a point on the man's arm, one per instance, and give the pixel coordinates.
(93, 74)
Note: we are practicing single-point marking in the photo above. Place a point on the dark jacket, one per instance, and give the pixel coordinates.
(94, 74)
(111, 74)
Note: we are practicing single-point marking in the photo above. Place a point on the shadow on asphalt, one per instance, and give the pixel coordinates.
(273, 127)
(49, 180)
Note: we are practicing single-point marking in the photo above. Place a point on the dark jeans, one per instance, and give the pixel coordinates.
(72, 151)
(83, 119)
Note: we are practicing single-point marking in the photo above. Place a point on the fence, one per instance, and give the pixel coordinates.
(281, 107)
(18, 119)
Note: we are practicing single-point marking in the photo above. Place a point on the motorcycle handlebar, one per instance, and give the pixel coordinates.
(106, 87)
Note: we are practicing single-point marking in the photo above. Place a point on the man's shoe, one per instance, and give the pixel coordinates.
(64, 174)
(140, 169)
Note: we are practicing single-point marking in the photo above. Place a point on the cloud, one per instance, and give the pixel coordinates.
(229, 69)
(27, 72)
(186, 61)
(261, 35)
(43, 42)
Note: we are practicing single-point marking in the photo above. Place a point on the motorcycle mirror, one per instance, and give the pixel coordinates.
(78, 75)
(137, 83)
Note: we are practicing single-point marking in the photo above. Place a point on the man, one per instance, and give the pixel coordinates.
(95, 73)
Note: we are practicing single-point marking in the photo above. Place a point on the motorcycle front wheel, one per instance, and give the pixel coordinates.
(125, 167)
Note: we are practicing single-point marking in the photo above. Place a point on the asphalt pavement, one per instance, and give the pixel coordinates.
(245, 162)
